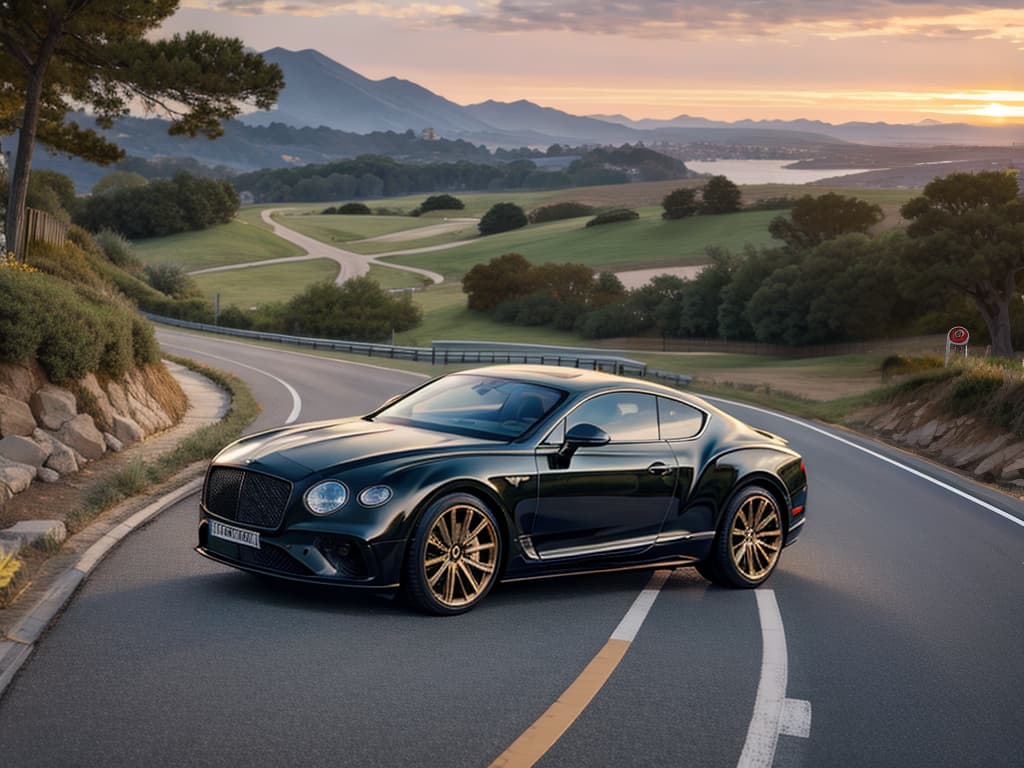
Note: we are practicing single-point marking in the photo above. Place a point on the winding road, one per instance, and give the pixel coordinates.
(890, 636)
(350, 264)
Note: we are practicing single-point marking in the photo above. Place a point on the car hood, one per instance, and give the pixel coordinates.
(314, 447)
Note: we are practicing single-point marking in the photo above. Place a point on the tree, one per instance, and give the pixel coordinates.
(117, 180)
(967, 231)
(504, 277)
(720, 196)
(813, 220)
(680, 203)
(64, 54)
(502, 217)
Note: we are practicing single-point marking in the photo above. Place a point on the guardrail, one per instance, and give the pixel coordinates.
(447, 352)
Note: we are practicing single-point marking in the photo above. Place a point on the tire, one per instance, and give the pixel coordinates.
(454, 556)
(749, 541)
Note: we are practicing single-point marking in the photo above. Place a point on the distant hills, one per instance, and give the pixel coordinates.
(328, 112)
(320, 91)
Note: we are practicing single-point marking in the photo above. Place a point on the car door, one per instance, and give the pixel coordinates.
(609, 498)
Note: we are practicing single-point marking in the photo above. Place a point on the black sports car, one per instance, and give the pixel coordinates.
(506, 473)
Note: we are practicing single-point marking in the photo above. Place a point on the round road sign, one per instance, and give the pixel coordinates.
(958, 335)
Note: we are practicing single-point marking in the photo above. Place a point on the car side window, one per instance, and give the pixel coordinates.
(678, 421)
(627, 417)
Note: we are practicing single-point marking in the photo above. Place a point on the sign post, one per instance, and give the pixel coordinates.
(956, 340)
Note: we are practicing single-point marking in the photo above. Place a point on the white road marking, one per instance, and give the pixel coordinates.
(881, 457)
(636, 614)
(296, 400)
(773, 713)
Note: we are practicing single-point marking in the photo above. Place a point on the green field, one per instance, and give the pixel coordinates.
(232, 243)
(648, 242)
(389, 279)
(262, 285)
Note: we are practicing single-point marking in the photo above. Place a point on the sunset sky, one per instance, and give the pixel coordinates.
(833, 60)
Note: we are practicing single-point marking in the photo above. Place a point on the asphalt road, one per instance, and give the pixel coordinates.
(901, 607)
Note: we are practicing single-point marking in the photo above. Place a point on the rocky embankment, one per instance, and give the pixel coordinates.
(965, 442)
(48, 431)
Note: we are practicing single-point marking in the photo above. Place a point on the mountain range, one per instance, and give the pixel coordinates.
(321, 92)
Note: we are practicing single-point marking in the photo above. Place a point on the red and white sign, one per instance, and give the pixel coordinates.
(958, 335)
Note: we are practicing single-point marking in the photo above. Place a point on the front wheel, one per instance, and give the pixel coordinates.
(454, 555)
(749, 542)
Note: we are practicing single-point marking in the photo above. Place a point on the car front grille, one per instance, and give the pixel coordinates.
(246, 497)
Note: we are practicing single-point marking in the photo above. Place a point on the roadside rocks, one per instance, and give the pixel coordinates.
(45, 431)
(960, 441)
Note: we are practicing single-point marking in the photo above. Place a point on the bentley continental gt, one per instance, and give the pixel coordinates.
(506, 473)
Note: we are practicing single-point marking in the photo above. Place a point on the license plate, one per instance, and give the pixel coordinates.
(237, 535)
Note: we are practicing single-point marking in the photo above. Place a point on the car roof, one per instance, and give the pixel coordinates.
(575, 380)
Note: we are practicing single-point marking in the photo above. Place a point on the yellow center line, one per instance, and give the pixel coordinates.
(556, 720)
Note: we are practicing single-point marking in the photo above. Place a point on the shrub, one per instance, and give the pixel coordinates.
(614, 215)
(171, 280)
(441, 203)
(558, 211)
(354, 209)
(502, 217)
(330, 210)
(118, 249)
(771, 204)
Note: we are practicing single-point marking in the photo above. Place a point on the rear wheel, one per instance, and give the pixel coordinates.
(454, 555)
(749, 541)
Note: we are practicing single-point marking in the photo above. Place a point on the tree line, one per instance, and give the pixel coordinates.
(828, 280)
(372, 176)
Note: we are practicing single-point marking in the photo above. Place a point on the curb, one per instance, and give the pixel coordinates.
(17, 646)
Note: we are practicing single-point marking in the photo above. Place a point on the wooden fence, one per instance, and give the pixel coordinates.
(40, 227)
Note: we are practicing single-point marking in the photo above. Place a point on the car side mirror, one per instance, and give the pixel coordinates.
(582, 436)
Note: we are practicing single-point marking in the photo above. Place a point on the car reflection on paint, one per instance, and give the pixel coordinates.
(502, 474)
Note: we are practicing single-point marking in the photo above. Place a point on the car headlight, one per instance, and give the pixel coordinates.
(375, 495)
(326, 498)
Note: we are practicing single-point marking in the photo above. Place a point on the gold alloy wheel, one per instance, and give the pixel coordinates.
(461, 555)
(756, 537)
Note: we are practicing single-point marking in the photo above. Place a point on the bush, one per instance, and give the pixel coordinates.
(354, 209)
(612, 216)
(558, 211)
(502, 217)
(171, 280)
(118, 250)
(441, 203)
(771, 204)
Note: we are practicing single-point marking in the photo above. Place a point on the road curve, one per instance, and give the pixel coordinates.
(350, 264)
(901, 607)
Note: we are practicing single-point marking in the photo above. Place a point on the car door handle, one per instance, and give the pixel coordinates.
(659, 468)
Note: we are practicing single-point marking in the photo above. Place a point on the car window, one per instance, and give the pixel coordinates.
(678, 420)
(483, 406)
(625, 416)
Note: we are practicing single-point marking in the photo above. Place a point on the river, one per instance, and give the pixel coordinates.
(766, 171)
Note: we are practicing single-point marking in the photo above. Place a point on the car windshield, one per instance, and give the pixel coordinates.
(479, 406)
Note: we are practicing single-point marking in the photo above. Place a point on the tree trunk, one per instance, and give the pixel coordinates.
(995, 311)
(26, 144)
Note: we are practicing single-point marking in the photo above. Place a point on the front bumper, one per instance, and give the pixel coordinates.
(318, 558)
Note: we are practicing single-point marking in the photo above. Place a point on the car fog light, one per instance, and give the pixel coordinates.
(375, 495)
(326, 498)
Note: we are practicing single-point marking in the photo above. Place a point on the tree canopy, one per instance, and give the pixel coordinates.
(679, 203)
(813, 220)
(967, 231)
(60, 54)
(720, 196)
(501, 217)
